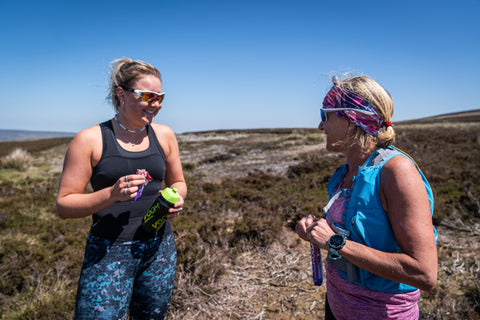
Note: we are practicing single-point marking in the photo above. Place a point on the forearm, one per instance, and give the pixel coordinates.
(181, 187)
(83, 205)
(398, 267)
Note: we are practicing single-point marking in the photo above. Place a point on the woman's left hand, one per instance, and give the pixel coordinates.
(175, 211)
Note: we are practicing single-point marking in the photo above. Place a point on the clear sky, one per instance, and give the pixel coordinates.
(234, 64)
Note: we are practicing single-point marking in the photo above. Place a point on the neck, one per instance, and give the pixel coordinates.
(130, 137)
(127, 129)
(357, 155)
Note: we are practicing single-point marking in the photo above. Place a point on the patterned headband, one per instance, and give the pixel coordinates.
(340, 98)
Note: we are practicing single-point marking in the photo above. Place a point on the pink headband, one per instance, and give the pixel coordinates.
(340, 98)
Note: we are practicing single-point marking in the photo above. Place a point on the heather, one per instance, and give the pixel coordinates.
(238, 257)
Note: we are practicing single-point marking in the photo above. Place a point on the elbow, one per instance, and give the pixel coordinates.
(429, 281)
(431, 275)
(61, 213)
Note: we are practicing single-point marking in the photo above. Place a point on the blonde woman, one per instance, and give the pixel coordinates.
(127, 160)
(377, 226)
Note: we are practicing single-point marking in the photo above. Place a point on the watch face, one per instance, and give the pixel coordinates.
(336, 240)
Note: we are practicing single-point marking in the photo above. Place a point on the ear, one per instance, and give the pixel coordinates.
(120, 93)
(350, 128)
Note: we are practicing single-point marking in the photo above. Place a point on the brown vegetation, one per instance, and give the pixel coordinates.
(238, 257)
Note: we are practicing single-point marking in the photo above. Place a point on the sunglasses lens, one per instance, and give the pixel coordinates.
(144, 96)
(323, 115)
(151, 97)
(160, 98)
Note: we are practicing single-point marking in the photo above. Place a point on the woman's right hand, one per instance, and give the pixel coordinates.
(303, 225)
(315, 231)
(126, 187)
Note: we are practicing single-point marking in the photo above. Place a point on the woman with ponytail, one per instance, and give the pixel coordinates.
(377, 226)
(128, 160)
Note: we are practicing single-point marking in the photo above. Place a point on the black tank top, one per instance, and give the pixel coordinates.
(122, 220)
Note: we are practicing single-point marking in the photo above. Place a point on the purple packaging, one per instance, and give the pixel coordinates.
(317, 267)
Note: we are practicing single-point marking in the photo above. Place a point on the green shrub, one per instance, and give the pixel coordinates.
(226, 219)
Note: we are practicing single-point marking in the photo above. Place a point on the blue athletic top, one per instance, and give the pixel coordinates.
(122, 220)
(366, 221)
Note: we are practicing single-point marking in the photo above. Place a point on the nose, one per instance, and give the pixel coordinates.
(321, 125)
(156, 104)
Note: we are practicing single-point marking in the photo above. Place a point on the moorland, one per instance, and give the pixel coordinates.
(238, 256)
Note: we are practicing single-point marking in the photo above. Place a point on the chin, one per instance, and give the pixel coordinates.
(333, 147)
(330, 148)
(148, 118)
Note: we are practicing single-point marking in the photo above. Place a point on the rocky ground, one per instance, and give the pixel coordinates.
(236, 154)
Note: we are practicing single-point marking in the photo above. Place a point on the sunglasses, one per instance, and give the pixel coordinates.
(323, 112)
(146, 95)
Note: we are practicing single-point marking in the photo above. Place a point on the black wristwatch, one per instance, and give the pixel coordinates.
(336, 242)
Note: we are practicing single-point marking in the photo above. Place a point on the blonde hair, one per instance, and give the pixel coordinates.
(380, 99)
(124, 73)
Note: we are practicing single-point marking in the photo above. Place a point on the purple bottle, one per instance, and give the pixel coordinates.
(317, 267)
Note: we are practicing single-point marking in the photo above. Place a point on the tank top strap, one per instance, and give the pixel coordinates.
(108, 139)
(112, 148)
(381, 155)
(154, 143)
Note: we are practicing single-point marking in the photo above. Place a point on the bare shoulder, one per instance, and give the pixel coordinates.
(87, 137)
(87, 142)
(162, 129)
(401, 182)
(166, 137)
(399, 165)
(165, 134)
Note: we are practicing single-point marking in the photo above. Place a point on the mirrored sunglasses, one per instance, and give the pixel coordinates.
(323, 112)
(146, 95)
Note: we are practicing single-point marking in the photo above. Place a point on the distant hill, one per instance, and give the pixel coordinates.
(462, 116)
(13, 135)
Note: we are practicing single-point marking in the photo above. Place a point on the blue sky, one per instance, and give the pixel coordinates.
(234, 64)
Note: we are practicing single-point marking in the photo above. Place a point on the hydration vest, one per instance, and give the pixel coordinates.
(365, 221)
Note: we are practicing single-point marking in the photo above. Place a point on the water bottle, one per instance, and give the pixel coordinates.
(157, 214)
(317, 267)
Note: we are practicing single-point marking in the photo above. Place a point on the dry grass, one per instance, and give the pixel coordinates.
(32, 146)
(261, 283)
(238, 257)
(18, 159)
(215, 155)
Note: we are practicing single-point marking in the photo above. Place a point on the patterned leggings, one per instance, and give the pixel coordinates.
(120, 277)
